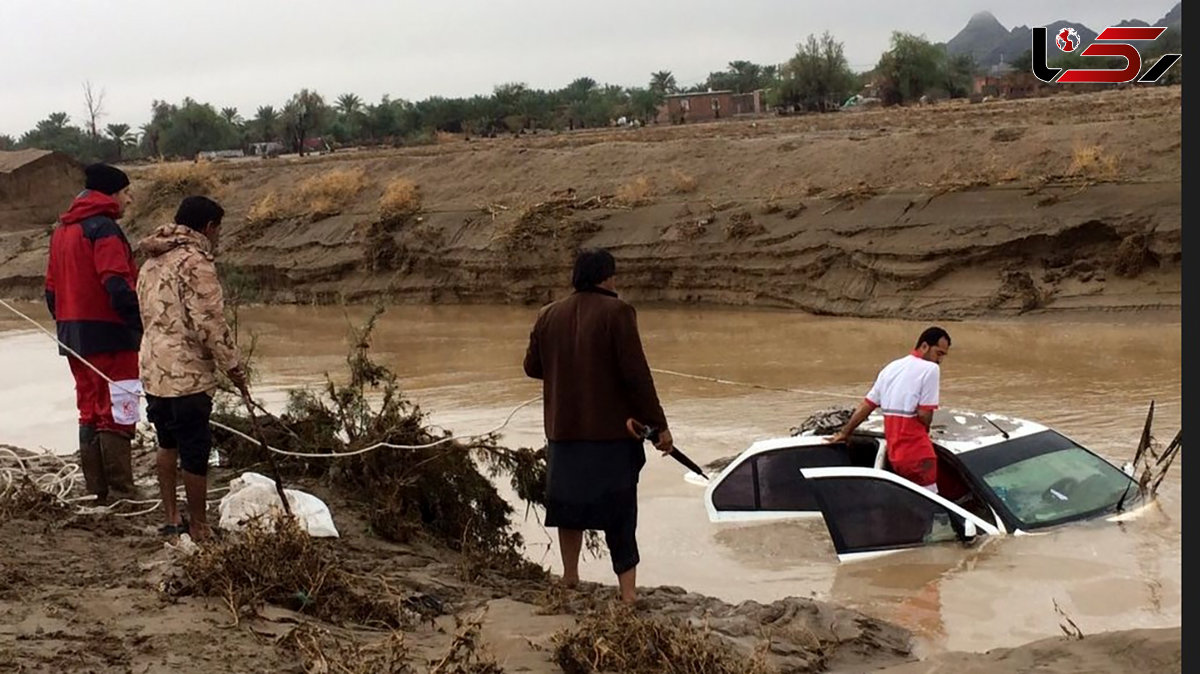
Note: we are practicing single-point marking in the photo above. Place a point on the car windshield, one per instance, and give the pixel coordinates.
(1045, 479)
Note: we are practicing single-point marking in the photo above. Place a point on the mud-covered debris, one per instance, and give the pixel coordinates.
(323, 653)
(617, 639)
(824, 422)
(285, 567)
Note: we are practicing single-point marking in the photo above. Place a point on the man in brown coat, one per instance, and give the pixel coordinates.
(587, 351)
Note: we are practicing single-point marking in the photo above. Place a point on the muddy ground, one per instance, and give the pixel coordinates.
(92, 594)
(1056, 204)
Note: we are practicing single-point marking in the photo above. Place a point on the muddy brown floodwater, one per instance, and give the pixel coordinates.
(1091, 378)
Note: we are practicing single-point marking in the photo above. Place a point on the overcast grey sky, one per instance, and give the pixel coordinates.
(246, 53)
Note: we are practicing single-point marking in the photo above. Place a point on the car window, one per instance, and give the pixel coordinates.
(736, 491)
(865, 514)
(776, 474)
(1057, 485)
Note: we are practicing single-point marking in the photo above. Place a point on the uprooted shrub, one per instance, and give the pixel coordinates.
(321, 651)
(401, 199)
(616, 639)
(429, 486)
(329, 193)
(282, 565)
(164, 185)
(21, 499)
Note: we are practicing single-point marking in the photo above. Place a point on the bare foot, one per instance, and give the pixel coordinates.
(570, 583)
(200, 533)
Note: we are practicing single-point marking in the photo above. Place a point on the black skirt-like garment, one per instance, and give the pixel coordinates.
(592, 485)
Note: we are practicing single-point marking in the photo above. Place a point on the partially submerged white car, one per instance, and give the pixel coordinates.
(996, 475)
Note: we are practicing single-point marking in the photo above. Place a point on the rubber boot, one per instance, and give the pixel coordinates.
(118, 466)
(92, 462)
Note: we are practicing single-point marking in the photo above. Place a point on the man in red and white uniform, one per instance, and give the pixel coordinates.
(907, 393)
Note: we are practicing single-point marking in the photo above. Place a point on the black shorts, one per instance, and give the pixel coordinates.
(182, 424)
(593, 486)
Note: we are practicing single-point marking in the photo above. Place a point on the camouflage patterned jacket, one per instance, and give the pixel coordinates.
(186, 339)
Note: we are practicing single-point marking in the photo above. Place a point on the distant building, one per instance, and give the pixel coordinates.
(705, 106)
(269, 149)
(210, 155)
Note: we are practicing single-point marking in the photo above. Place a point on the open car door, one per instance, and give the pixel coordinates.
(870, 512)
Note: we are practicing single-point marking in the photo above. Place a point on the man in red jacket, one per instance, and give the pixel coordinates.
(90, 281)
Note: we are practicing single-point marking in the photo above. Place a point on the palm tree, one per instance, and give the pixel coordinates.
(663, 82)
(267, 121)
(348, 104)
(580, 89)
(231, 115)
(55, 121)
(121, 136)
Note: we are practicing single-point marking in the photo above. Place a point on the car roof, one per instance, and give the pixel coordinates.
(962, 431)
(958, 431)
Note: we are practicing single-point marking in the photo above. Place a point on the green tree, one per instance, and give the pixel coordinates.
(743, 77)
(161, 114)
(193, 127)
(817, 77)
(643, 104)
(303, 116)
(663, 83)
(1024, 62)
(231, 116)
(266, 123)
(7, 142)
(121, 138)
(958, 75)
(56, 133)
(910, 68)
(348, 104)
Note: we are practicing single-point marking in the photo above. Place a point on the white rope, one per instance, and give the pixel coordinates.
(716, 380)
(383, 445)
(62, 482)
(307, 455)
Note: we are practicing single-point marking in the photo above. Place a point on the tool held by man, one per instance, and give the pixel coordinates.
(258, 434)
(643, 432)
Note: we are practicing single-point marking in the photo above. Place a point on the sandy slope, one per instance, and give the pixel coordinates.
(1063, 203)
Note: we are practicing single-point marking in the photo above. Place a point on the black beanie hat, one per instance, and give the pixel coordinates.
(105, 178)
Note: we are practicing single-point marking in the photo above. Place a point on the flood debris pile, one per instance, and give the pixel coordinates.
(282, 565)
(550, 222)
(616, 639)
(1151, 461)
(32, 485)
(825, 421)
(322, 651)
(23, 500)
(431, 486)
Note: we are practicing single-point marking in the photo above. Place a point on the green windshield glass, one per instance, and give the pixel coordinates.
(1058, 485)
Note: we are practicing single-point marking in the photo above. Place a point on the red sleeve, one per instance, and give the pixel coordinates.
(118, 274)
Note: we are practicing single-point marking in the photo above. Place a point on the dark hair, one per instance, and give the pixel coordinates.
(197, 212)
(932, 336)
(593, 266)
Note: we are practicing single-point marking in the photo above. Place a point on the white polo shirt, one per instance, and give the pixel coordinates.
(902, 388)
